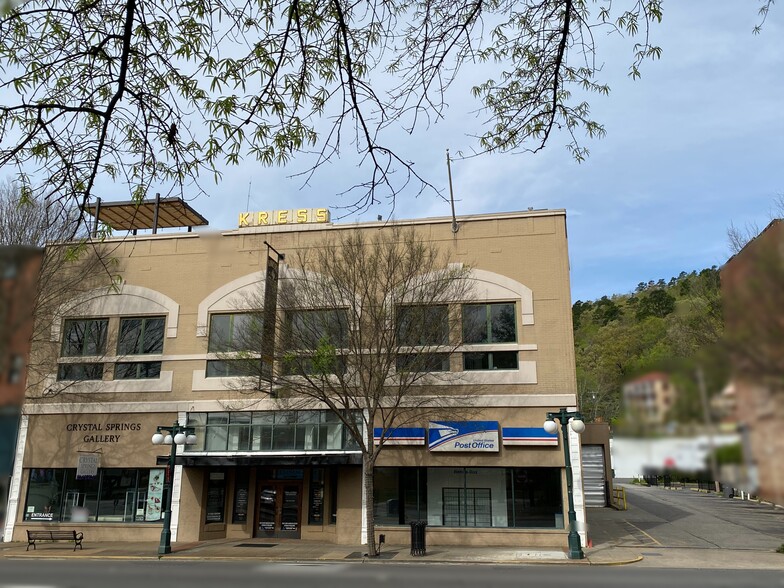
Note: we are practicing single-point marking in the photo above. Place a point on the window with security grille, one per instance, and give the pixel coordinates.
(467, 507)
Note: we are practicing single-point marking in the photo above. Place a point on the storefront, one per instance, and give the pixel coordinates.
(150, 353)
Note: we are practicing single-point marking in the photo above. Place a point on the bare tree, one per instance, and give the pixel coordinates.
(159, 92)
(739, 237)
(369, 328)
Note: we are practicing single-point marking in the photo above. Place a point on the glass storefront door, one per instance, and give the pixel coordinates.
(280, 509)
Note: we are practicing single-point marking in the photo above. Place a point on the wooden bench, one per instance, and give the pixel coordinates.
(33, 536)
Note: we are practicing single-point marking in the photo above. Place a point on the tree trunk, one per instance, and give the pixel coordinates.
(368, 465)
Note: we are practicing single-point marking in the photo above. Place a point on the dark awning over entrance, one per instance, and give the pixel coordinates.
(262, 460)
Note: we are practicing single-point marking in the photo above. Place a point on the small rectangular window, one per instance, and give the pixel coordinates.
(423, 362)
(491, 360)
(224, 368)
(15, 373)
(141, 370)
(76, 372)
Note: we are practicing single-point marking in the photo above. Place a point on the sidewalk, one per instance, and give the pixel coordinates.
(306, 551)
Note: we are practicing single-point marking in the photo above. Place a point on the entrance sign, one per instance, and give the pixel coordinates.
(470, 436)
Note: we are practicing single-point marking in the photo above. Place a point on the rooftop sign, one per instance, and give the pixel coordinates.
(294, 216)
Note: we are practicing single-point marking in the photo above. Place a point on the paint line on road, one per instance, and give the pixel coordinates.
(643, 532)
(25, 586)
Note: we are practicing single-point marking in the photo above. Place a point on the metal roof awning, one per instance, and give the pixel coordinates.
(159, 213)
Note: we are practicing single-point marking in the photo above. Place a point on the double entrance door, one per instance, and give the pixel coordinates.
(279, 509)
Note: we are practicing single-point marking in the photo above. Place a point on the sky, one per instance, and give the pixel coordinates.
(696, 144)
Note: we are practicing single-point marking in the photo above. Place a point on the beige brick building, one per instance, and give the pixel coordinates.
(262, 470)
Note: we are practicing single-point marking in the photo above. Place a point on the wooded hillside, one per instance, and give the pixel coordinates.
(674, 326)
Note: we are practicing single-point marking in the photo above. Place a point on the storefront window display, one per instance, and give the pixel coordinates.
(114, 495)
(469, 497)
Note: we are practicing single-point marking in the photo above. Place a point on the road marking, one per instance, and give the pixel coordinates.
(644, 533)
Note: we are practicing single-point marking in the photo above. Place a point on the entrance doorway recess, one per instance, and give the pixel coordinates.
(280, 509)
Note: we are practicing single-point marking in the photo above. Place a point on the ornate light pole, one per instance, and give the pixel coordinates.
(575, 419)
(174, 435)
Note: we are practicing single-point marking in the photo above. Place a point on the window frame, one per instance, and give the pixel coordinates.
(140, 341)
(100, 344)
(229, 346)
(488, 337)
(427, 310)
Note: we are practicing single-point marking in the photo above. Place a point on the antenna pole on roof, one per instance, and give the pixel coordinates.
(155, 215)
(97, 216)
(247, 202)
(455, 228)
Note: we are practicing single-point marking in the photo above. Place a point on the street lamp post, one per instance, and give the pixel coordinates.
(575, 420)
(173, 435)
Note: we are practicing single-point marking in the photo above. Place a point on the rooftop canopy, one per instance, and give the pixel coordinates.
(159, 213)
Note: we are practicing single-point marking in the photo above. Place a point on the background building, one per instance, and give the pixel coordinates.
(129, 359)
(649, 398)
(752, 284)
(18, 280)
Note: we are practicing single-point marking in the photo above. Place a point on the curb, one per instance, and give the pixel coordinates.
(191, 558)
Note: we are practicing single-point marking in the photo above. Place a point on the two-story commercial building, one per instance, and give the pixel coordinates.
(145, 353)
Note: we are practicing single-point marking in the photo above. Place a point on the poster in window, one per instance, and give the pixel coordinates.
(154, 506)
(216, 498)
(240, 505)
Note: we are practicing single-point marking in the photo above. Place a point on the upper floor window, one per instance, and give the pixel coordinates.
(84, 337)
(15, 371)
(489, 323)
(423, 325)
(235, 332)
(139, 336)
(307, 329)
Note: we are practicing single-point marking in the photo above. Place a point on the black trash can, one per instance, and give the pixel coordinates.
(418, 546)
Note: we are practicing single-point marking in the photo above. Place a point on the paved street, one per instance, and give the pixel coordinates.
(683, 538)
(683, 528)
(95, 574)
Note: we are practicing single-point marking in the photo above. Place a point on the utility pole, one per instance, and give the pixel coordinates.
(709, 427)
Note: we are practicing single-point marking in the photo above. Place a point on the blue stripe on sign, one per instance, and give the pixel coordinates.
(533, 435)
(400, 434)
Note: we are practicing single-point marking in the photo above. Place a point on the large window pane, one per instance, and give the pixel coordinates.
(119, 495)
(81, 498)
(422, 325)
(84, 337)
(141, 336)
(44, 495)
(470, 497)
(307, 329)
(489, 323)
(114, 495)
(235, 332)
(386, 502)
(535, 497)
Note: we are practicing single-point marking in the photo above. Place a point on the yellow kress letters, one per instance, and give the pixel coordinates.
(283, 217)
